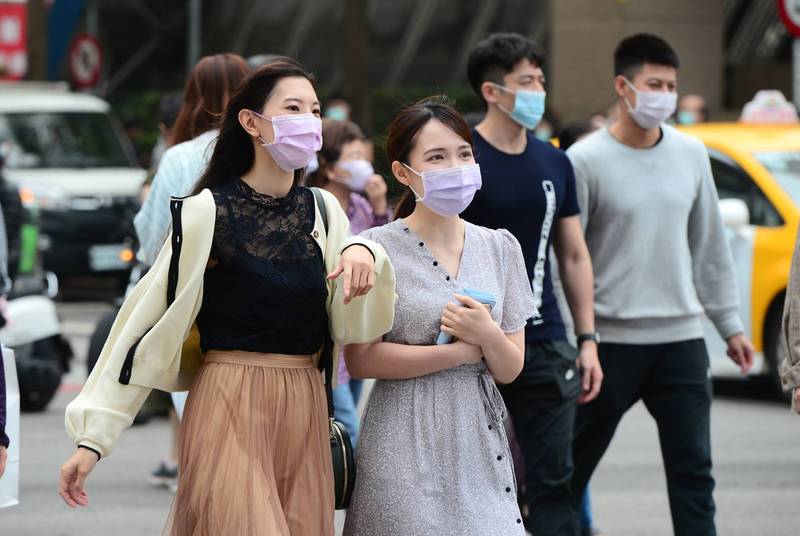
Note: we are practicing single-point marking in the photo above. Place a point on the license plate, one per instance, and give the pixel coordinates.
(108, 257)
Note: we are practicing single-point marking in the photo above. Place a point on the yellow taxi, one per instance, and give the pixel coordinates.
(756, 168)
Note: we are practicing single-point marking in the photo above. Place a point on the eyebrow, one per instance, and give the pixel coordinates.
(465, 146)
(295, 99)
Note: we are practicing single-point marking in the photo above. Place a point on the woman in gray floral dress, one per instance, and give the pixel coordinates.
(433, 456)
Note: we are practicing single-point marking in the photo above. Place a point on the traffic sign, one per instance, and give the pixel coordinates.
(13, 41)
(85, 61)
(790, 15)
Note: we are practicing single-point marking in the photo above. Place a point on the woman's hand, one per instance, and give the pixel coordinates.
(376, 191)
(3, 459)
(470, 322)
(358, 266)
(73, 477)
(796, 395)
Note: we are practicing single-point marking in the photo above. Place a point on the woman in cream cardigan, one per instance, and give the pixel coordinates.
(250, 259)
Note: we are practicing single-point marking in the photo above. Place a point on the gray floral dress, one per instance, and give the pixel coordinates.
(433, 457)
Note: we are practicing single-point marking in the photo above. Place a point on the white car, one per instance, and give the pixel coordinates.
(73, 162)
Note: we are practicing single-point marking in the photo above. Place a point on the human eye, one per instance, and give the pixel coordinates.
(293, 108)
(435, 158)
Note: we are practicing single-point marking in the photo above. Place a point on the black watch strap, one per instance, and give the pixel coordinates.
(585, 337)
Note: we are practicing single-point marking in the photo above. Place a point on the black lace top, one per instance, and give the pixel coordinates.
(264, 290)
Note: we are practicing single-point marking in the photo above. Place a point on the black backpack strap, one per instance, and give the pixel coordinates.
(326, 356)
(323, 210)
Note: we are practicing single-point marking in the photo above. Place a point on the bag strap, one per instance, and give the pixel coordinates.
(326, 356)
(323, 210)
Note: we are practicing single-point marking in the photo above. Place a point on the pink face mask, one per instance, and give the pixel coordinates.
(448, 192)
(298, 137)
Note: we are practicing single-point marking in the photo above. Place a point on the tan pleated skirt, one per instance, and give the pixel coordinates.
(255, 454)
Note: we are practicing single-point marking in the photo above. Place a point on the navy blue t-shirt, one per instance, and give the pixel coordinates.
(525, 193)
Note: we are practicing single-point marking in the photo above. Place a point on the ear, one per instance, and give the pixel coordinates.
(489, 92)
(248, 122)
(400, 172)
(620, 86)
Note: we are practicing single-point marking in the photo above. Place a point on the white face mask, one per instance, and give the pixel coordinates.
(652, 107)
(359, 173)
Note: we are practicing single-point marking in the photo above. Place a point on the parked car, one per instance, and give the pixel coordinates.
(71, 159)
(756, 168)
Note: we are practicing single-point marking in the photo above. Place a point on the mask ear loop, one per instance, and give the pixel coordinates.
(636, 91)
(261, 138)
(417, 197)
(504, 88)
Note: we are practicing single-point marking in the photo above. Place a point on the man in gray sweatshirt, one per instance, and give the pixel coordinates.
(661, 260)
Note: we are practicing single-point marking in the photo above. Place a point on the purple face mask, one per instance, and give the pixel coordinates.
(448, 192)
(298, 137)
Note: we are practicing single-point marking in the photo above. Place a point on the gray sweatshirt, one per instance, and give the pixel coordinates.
(656, 238)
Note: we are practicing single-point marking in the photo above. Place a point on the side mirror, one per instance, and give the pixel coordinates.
(735, 213)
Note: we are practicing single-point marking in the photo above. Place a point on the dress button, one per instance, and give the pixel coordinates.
(519, 520)
(315, 234)
(490, 427)
(447, 278)
(435, 263)
(499, 458)
(421, 244)
(508, 490)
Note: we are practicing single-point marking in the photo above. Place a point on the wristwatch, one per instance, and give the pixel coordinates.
(584, 337)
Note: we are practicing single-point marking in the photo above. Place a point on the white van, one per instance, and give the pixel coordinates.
(72, 161)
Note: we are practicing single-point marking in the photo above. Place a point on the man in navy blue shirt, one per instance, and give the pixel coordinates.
(529, 189)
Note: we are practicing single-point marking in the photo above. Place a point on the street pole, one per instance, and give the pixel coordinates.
(355, 47)
(796, 71)
(37, 40)
(193, 35)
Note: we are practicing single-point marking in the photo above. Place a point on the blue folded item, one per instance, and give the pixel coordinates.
(482, 297)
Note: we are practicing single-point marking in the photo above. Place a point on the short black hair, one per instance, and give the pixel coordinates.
(496, 56)
(636, 50)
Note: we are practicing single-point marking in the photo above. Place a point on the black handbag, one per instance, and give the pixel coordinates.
(344, 462)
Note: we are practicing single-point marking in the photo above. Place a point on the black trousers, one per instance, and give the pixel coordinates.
(674, 382)
(542, 403)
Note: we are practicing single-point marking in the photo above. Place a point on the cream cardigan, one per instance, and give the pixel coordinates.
(143, 350)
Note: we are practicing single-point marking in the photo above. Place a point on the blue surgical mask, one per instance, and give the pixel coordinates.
(528, 106)
(685, 117)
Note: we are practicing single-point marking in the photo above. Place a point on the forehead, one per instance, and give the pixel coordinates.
(296, 87)
(525, 67)
(664, 73)
(437, 134)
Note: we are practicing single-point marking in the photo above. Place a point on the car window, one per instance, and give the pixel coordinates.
(785, 167)
(733, 182)
(62, 140)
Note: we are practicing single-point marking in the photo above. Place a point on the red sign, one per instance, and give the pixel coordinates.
(790, 15)
(85, 61)
(13, 41)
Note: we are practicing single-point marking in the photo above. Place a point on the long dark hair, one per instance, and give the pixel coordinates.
(211, 83)
(403, 136)
(233, 153)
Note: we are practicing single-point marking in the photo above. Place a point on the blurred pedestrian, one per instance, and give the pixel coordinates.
(249, 257)
(692, 109)
(190, 141)
(168, 109)
(790, 369)
(574, 132)
(433, 456)
(652, 223)
(529, 189)
(345, 171)
(337, 108)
